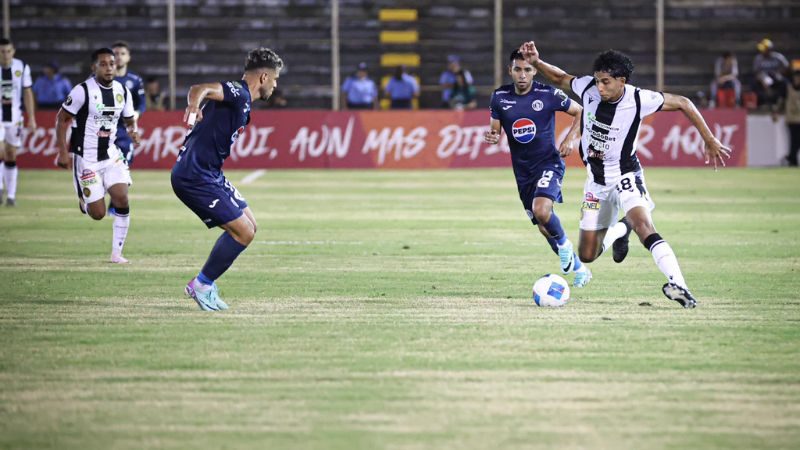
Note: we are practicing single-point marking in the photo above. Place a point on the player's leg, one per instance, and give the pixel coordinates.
(2, 160)
(120, 210)
(10, 174)
(88, 182)
(598, 211)
(550, 226)
(637, 205)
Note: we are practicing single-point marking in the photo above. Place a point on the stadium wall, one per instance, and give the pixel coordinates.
(391, 140)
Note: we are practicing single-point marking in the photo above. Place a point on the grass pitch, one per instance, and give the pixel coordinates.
(392, 310)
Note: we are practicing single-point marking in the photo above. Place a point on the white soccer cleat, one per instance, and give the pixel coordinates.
(566, 255)
(118, 259)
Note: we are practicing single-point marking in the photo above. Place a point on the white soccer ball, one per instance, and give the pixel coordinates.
(551, 290)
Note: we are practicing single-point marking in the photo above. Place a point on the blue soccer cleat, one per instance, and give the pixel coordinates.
(567, 257)
(582, 276)
(204, 299)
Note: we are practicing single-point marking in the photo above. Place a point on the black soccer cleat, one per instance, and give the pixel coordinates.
(679, 294)
(620, 246)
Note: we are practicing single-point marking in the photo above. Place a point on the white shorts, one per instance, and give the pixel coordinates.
(92, 179)
(601, 204)
(11, 133)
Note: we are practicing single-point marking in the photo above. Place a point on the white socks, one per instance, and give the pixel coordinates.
(615, 232)
(121, 224)
(2, 173)
(667, 262)
(10, 179)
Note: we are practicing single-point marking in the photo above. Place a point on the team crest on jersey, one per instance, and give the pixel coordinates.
(87, 192)
(119, 98)
(537, 105)
(129, 84)
(523, 130)
(18, 73)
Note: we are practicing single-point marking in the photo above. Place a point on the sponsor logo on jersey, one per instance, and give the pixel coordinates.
(508, 102)
(214, 203)
(562, 95)
(537, 105)
(590, 202)
(86, 174)
(68, 101)
(523, 130)
(506, 108)
(234, 88)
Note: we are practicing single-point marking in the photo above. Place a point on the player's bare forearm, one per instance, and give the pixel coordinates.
(30, 108)
(132, 128)
(198, 93)
(63, 121)
(493, 135)
(714, 150)
(570, 142)
(555, 75)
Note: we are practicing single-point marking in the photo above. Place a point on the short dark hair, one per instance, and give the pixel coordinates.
(515, 55)
(263, 58)
(615, 63)
(121, 44)
(101, 51)
(4, 41)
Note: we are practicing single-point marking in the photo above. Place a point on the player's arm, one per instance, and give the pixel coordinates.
(63, 121)
(570, 143)
(198, 93)
(554, 74)
(714, 149)
(130, 117)
(492, 136)
(30, 107)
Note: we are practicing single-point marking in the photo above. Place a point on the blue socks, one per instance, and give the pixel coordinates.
(553, 227)
(225, 251)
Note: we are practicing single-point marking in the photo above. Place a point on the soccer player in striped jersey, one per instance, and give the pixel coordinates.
(612, 112)
(526, 110)
(15, 90)
(93, 109)
(221, 111)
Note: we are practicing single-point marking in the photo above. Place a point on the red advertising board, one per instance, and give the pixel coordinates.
(390, 140)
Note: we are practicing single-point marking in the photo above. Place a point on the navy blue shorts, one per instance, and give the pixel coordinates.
(547, 184)
(215, 203)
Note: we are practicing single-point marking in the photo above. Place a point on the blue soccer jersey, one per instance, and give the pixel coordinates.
(529, 123)
(209, 142)
(134, 84)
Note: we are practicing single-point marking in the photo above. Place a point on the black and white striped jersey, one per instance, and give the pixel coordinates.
(13, 79)
(610, 131)
(97, 110)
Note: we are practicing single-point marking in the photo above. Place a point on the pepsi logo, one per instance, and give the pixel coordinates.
(523, 130)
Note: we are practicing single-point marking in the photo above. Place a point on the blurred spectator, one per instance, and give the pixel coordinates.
(448, 78)
(401, 89)
(726, 79)
(153, 97)
(51, 88)
(462, 95)
(701, 100)
(770, 68)
(791, 107)
(360, 91)
(277, 100)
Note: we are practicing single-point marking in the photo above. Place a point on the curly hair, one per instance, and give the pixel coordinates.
(615, 63)
(263, 58)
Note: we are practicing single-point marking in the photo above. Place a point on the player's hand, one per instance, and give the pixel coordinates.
(192, 115)
(568, 145)
(134, 134)
(529, 52)
(716, 152)
(64, 161)
(491, 137)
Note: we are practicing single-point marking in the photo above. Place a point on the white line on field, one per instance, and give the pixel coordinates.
(253, 176)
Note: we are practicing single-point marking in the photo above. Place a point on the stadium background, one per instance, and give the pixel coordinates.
(323, 41)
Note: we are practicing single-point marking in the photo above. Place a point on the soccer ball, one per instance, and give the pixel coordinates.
(551, 290)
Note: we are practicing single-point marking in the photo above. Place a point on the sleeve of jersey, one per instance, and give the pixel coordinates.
(578, 84)
(26, 77)
(493, 110)
(652, 101)
(127, 109)
(232, 92)
(74, 100)
(140, 96)
(561, 100)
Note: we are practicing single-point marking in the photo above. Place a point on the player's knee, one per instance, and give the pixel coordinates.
(247, 235)
(587, 254)
(96, 215)
(542, 214)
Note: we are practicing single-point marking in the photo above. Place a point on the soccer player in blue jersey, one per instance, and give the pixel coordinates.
(197, 177)
(525, 110)
(134, 84)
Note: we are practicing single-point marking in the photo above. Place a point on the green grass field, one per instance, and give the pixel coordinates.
(392, 310)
